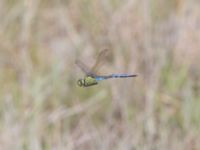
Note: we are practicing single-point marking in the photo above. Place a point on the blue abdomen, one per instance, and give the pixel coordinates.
(122, 75)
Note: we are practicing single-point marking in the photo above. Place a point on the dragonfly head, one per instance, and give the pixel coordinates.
(80, 82)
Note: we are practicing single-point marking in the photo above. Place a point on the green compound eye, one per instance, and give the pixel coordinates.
(80, 82)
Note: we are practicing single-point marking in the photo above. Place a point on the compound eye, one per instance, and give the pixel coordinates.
(79, 82)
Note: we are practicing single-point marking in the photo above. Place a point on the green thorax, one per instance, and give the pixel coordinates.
(89, 81)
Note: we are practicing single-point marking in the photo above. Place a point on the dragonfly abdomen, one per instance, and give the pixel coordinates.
(99, 78)
(122, 76)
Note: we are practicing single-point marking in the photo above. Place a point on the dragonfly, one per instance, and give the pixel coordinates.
(91, 77)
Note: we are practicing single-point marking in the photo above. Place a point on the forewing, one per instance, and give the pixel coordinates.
(100, 60)
(83, 67)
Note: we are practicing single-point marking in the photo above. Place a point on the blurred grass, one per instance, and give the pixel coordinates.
(41, 106)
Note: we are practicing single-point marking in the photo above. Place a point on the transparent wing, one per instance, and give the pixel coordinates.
(84, 68)
(100, 60)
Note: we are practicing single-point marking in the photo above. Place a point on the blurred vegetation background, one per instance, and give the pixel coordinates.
(41, 106)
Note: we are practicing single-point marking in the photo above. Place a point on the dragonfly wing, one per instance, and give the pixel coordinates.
(84, 68)
(100, 60)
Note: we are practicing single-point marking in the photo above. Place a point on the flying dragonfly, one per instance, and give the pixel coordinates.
(91, 77)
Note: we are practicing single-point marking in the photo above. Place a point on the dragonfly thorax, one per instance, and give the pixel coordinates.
(87, 81)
